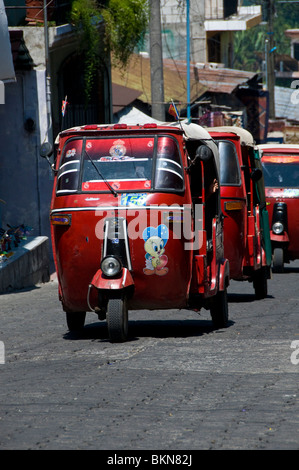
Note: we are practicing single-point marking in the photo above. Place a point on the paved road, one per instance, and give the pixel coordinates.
(176, 385)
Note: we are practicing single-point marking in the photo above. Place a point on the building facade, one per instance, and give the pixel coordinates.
(212, 26)
(48, 65)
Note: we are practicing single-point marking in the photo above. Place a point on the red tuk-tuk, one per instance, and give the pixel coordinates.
(281, 171)
(131, 224)
(247, 243)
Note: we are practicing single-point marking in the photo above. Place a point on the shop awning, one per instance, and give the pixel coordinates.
(7, 72)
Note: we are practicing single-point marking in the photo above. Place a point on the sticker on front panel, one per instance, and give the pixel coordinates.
(133, 199)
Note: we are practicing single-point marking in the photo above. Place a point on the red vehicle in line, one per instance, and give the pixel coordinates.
(247, 243)
(134, 225)
(281, 170)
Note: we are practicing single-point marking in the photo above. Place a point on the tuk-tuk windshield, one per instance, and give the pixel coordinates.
(126, 163)
(118, 161)
(281, 175)
(229, 165)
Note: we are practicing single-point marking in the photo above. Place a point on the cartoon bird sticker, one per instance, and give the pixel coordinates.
(155, 240)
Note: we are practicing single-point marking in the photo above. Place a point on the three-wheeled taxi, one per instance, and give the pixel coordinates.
(134, 223)
(281, 171)
(247, 243)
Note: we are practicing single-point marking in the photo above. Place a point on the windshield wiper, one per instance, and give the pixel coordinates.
(115, 194)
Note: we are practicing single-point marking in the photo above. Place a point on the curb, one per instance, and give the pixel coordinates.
(28, 266)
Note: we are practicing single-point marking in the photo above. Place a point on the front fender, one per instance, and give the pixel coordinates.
(99, 281)
(283, 238)
(224, 275)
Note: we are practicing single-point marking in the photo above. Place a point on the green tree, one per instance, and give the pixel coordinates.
(250, 45)
(86, 17)
(125, 23)
(246, 45)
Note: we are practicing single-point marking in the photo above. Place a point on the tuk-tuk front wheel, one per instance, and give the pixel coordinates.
(75, 320)
(117, 320)
(219, 310)
(278, 260)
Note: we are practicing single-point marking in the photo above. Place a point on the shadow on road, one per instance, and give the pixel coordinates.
(148, 328)
(238, 298)
(287, 270)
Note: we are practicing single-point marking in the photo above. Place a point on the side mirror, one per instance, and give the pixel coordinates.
(204, 153)
(46, 150)
(256, 174)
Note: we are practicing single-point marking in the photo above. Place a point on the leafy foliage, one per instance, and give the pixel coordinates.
(125, 22)
(86, 16)
(248, 44)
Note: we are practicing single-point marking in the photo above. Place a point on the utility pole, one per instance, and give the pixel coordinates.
(188, 58)
(47, 72)
(156, 62)
(270, 59)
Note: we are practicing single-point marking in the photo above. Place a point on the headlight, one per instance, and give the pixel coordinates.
(111, 266)
(278, 228)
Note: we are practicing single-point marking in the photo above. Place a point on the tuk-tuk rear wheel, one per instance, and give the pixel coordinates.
(260, 283)
(219, 310)
(117, 320)
(75, 320)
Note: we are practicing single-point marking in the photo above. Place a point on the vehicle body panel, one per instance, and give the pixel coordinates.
(281, 170)
(246, 227)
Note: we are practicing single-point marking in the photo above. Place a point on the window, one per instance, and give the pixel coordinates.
(169, 171)
(135, 163)
(281, 175)
(229, 165)
(68, 174)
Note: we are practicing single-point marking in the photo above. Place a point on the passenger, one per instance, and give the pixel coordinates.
(212, 188)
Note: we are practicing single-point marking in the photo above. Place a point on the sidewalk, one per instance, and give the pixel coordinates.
(28, 265)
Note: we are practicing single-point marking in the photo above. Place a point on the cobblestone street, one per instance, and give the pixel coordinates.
(177, 384)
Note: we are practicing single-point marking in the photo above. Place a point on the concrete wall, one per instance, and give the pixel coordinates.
(214, 9)
(25, 178)
(27, 267)
(173, 19)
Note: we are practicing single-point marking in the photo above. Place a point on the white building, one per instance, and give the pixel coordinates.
(212, 26)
